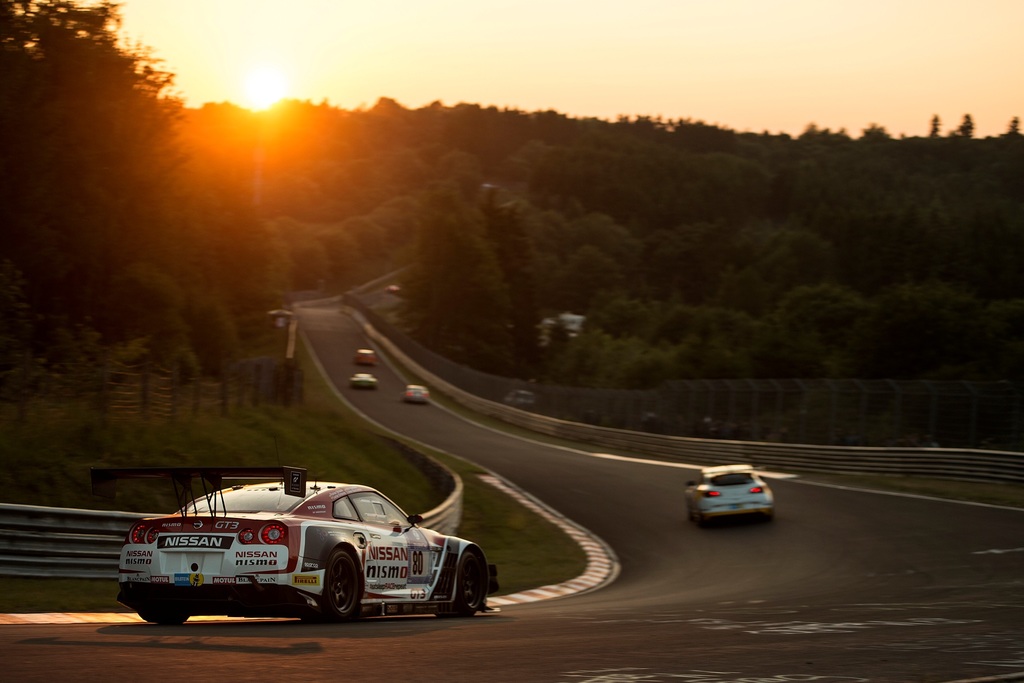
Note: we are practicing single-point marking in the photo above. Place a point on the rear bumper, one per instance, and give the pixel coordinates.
(268, 600)
(766, 511)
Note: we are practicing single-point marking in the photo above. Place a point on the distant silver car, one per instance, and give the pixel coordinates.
(416, 393)
(727, 490)
(520, 398)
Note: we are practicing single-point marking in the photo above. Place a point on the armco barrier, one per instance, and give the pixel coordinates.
(938, 463)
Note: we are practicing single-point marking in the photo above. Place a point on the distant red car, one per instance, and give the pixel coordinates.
(366, 357)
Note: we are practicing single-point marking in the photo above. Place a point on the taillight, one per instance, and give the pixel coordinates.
(247, 536)
(152, 534)
(137, 534)
(712, 493)
(757, 489)
(274, 533)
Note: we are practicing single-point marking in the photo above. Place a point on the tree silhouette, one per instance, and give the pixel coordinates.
(966, 128)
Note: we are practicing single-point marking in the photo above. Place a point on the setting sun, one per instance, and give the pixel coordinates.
(264, 87)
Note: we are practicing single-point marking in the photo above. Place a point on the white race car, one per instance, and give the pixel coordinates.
(728, 490)
(290, 548)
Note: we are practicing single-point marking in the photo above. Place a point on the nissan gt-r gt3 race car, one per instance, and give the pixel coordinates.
(289, 548)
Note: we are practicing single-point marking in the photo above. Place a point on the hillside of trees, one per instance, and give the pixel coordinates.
(135, 225)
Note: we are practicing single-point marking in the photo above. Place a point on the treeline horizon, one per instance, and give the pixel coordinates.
(137, 226)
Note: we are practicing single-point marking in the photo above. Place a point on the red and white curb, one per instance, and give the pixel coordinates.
(602, 566)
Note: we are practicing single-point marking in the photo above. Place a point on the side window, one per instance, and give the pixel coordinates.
(377, 510)
(343, 509)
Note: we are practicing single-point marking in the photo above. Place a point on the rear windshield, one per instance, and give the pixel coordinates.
(732, 479)
(270, 499)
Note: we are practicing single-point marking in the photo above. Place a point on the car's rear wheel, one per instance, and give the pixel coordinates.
(470, 584)
(163, 616)
(343, 587)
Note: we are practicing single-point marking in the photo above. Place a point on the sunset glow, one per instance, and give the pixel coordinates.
(264, 86)
(749, 65)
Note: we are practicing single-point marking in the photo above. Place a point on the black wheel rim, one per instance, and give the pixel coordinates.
(343, 586)
(472, 582)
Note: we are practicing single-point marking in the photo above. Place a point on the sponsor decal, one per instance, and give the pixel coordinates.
(386, 571)
(310, 566)
(171, 525)
(198, 524)
(305, 580)
(194, 579)
(256, 558)
(388, 553)
(319, 507)
(194, 541)
(138, 578)
(385, 586)
(388, 562)
(134, 558)
(246, 579)
(160, 579)
(223, 579)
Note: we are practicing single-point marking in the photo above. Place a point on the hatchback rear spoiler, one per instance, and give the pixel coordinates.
(104, 480)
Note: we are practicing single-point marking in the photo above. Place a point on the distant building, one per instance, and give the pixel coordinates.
(570, 322)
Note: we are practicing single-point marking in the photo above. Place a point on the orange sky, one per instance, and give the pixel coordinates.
(750, 65)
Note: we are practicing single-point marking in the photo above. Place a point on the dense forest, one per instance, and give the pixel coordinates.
(135, 225)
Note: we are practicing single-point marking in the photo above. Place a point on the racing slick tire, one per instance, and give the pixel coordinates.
(343, 588)
(470, 585)
(164, 617)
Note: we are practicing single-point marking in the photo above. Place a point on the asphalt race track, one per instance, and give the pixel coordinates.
(845, 585)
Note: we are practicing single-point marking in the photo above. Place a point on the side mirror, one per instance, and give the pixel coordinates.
(415, 519)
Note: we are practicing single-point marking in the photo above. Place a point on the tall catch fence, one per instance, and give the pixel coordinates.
(846, 412)
(116, 391)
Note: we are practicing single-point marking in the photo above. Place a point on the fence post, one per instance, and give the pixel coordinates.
(257, 373)
(224, 398)
(197, 389)
(144, 391)
(174, 391)
(104, 397)
(972, 440)
(897, 412)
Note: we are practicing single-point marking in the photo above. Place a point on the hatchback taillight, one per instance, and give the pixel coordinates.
(757, 489)
(712, 493)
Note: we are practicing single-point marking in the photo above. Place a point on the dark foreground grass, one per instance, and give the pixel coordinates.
(48, 464)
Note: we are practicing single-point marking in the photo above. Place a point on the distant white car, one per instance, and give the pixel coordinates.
(727, 490)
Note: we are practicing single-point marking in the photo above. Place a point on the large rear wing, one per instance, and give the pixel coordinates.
(104, 480)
